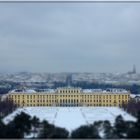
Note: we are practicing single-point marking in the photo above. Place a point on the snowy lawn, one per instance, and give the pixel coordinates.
(72, 117)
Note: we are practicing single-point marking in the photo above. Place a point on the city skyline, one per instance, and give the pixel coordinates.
(133, 70)
(69, 37)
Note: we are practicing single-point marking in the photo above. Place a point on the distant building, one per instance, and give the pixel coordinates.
(69, 96)
(135, 97)
(133, 71)
(69, 80)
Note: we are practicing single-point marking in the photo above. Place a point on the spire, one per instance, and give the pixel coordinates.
(69, 80)
(134, 69)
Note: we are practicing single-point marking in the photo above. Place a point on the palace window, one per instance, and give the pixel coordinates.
(126, 96)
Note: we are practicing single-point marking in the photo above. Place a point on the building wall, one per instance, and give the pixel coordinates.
(69, 97)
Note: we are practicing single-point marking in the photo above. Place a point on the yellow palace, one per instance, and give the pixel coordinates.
(69, 96)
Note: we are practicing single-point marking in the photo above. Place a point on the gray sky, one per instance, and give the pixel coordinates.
(66, 37)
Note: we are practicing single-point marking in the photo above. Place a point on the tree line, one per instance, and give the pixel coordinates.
(132, 107)
(23, 125)
(134, 88)
(6, 107)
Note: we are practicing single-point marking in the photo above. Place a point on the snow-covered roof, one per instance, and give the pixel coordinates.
(25, 91)
(69, 87)
(32, 91)
(92, 90)
(134, 95)
(82, 91)
(47, 90)
(111, 90)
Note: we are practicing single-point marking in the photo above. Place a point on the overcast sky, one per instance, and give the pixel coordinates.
(66, 37)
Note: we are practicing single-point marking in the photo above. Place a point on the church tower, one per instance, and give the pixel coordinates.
(69, 80)
(134, 69)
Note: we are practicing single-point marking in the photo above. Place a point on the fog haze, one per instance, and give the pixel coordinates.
(69, 37)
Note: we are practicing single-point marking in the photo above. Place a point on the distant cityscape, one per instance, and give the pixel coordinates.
(128, 78)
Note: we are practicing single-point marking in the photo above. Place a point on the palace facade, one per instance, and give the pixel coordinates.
(69, 96)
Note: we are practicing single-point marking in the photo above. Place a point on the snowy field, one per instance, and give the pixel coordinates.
(72, 117)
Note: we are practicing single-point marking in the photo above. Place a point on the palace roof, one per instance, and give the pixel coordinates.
(109, 90)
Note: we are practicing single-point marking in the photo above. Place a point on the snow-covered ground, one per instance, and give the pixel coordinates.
(72, 117)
